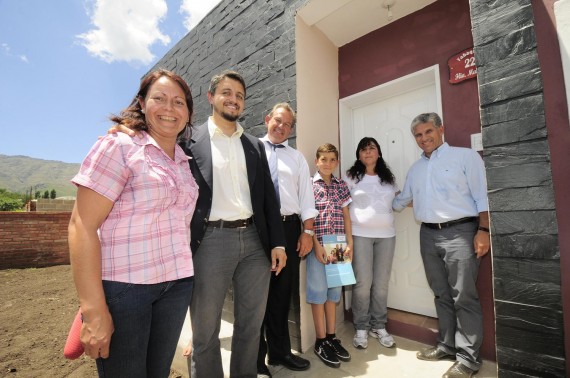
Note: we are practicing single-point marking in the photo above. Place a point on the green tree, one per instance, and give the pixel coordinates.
(10, 201)
(46, 194)
(38, 194)
(52, 194)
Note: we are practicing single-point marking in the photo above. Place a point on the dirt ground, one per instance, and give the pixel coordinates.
(37, 307)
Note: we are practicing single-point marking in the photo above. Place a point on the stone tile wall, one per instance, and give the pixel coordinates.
(526, 256)
(255, 38)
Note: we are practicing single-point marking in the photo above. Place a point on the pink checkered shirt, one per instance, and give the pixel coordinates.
(146, 236)
(329, 201)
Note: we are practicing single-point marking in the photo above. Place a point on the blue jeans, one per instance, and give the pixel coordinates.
(372, 265)
(148, 320)
(226, 256)
(318, 291)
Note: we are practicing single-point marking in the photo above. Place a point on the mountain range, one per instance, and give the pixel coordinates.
(20, 173)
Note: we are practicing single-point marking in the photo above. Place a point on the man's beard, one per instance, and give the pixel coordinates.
(229, 117)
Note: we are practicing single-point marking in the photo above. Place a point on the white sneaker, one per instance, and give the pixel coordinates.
(383, 337)
(360, 339)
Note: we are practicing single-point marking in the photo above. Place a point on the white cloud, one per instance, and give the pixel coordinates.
(125, 30)
(7, 51)
(194, 11)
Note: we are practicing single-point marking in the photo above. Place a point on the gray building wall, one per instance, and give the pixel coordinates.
(57, 205)
(255, 38)
(526, 256)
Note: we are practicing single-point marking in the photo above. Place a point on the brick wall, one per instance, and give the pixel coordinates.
(33, 239)
(54, 205)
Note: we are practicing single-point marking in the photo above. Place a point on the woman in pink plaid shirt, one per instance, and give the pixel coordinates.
(129, 237)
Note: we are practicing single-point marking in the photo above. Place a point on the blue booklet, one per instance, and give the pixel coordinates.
(338, 267)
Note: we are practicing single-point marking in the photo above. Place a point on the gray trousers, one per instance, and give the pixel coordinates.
(372, 264)
(228, 256)
(451, 267)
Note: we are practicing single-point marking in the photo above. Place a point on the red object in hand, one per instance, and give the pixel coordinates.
(73, 348)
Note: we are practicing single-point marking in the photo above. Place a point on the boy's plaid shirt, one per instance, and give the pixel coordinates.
(329, 201)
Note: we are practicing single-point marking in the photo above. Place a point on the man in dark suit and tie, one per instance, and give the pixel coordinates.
(294, 188)
(236, 232)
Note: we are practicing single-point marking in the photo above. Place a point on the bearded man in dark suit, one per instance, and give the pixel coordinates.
(236, 232)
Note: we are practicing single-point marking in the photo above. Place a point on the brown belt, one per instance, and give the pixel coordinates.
(439, 226)
(240, 223)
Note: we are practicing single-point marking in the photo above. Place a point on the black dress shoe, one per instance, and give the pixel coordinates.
(434, 354)
(291, 362)
(458, 370)
(263, 371)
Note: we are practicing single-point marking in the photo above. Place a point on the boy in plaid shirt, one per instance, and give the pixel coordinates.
(332, 197)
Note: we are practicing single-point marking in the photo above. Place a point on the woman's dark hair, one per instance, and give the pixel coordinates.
(357, 171)
(133, 117)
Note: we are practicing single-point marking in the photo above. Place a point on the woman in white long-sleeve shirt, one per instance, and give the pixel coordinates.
(372, 188)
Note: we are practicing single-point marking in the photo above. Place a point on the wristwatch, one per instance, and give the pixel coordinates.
(310, 232)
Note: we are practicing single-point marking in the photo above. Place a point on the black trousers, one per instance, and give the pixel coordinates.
(274, 341)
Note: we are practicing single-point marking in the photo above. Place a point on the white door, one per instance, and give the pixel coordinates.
(386, 117)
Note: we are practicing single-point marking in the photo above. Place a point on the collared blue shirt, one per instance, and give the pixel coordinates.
(447, 186)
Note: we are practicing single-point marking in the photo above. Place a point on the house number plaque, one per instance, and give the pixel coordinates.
(462, 66)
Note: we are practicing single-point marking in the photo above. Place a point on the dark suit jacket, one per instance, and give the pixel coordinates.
(266, 210)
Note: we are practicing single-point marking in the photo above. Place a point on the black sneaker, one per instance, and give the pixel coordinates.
(338, 349)
(327, 355)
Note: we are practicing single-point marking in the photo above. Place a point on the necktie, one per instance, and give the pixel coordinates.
(273, 167)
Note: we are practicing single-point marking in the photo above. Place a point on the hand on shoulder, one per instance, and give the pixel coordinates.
(122, 129)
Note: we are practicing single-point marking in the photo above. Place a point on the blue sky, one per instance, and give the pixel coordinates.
(67, 64)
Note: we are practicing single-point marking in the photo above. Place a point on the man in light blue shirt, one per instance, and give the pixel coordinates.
(449, 192)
